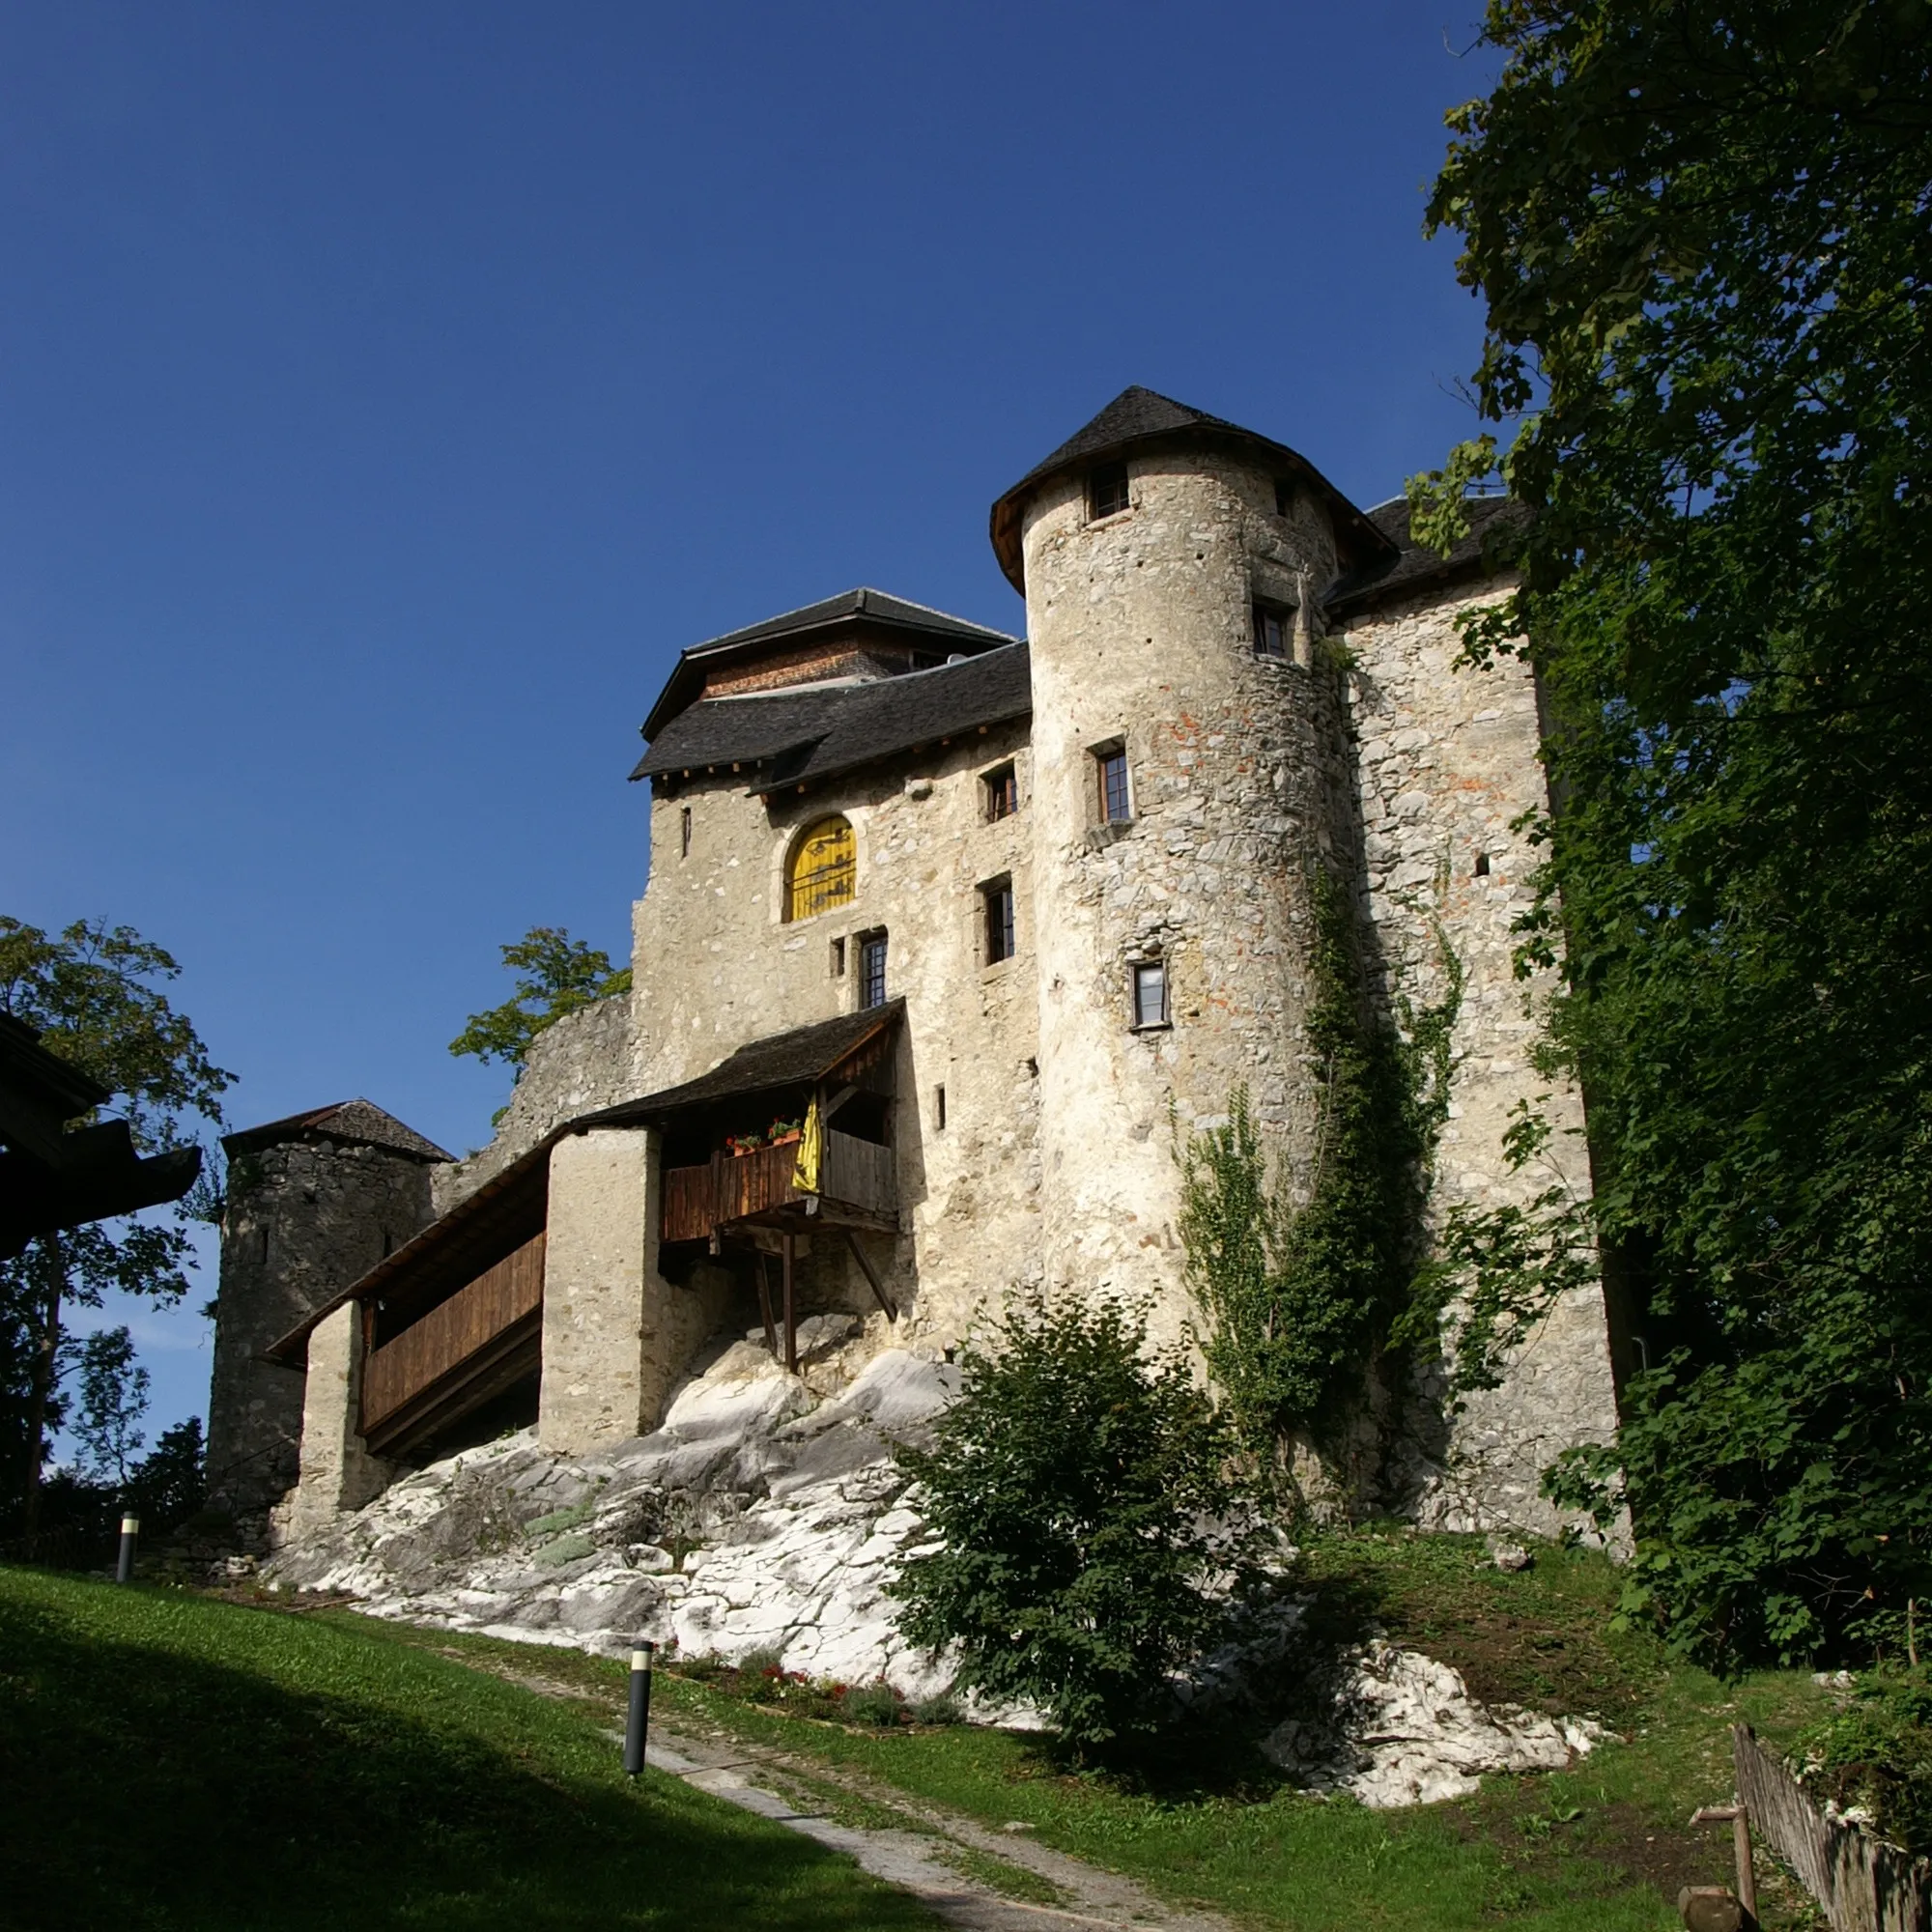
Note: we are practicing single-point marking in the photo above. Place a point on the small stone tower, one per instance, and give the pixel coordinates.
(314, 1202)
(1171, 564)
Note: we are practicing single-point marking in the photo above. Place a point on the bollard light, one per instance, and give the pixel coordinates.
(638, 1720)
(124, 1568)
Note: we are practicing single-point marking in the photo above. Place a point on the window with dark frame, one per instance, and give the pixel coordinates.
(1272, 631)
(872, 970)
(1003, 793)
(1115, 807)
(1107, 491)
(1150, 993)
(997, 901)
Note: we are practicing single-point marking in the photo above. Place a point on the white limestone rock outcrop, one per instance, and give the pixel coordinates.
(754, 1520)
(1402, 1729)
(750, 1520)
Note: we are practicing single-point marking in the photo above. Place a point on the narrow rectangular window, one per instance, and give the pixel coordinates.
(838, 960)
(872, 970)
(997, 899)
(1150, 993)
(1003, 793)
(1284, 496)
(939, 1107)
(1271, 632)
(684, 829)
(1107, 491)
(1116, 808)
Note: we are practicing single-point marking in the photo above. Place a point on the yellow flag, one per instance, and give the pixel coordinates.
(805, 1175)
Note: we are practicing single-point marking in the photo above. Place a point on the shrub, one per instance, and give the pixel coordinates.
(1876, 1753)
(761, 1672)
(944, 1709)
(1079, 1487)
(873, 1704)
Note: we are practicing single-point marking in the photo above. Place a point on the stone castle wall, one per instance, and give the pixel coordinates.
(718, 965)
(1448, 762)
(581, 1062)
(1141, 632)
(303, 1220)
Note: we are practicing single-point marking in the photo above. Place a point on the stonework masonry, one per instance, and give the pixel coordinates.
(305, 1219)
(337, 1474)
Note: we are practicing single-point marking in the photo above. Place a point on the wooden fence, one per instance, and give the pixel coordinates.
(451, 1332)
(1863, 1883)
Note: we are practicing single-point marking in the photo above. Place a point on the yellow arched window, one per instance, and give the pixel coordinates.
(824, 869)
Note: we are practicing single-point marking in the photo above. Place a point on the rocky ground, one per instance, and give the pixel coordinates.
(759, 1519)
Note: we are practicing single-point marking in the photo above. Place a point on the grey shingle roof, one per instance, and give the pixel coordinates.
(359, 1123)
(916, 624)
(1137, 418)
(1416, 568)
(798, 737)
(794, 1059)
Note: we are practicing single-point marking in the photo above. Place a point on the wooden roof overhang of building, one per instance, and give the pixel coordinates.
(1141, 422)
(55, 1177)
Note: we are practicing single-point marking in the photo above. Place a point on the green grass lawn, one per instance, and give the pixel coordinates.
(1602, 1848)
(171, 1761)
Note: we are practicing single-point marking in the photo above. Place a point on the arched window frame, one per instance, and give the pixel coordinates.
(830, 881)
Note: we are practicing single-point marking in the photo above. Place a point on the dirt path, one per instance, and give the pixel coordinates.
(959, 1868)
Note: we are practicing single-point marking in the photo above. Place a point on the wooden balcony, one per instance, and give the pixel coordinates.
(857, 1184)
(462, 1352)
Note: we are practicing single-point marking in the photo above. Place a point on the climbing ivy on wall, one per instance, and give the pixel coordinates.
(1301, 1294)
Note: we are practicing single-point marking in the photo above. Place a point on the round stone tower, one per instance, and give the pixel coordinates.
(1189, 773)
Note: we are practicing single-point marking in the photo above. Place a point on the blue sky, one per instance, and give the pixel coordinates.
(387, 393)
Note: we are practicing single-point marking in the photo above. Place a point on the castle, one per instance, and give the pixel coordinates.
(949, 940)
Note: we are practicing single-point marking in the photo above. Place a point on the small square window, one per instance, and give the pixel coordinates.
(1003, 793)
(1115, 805)
(997, 901)
(1271, 630)
(1107, 491)
(1150, 993)
(872, 970)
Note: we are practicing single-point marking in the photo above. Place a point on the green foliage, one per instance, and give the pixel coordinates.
(873, 1704)
(1075, 1485)
(112, 1397)
(1702, 236)
(556, 975)
(1299, 1299)
(96, 994)
(1875, 1751)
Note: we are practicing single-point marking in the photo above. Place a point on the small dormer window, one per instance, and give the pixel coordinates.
(1106, 491)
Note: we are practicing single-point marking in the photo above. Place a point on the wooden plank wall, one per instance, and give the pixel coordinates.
(1863, 1883)
(700, 1199)
(452, 1332)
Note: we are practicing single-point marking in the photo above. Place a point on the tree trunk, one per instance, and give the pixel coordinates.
(45, 1357)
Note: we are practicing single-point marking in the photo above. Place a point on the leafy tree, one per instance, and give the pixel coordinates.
(112, 1398)
(1704, 236)
(167, 1485)
(95, 991)
(1077, 1485)
(556, 975)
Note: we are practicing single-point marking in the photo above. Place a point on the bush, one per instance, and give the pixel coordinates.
(1079, 1487)
(1876, 1753)
(761, 1672)
(872, 1704)
(944, 1709)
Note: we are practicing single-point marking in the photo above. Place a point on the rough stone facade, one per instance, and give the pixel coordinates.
(305, 1217)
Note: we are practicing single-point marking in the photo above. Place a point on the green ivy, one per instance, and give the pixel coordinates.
(1301, 1298)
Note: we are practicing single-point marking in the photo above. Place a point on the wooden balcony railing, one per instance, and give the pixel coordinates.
(472, 1326)
(733, 1187)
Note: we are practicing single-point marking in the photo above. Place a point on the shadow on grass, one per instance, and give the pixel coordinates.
(149, 1787)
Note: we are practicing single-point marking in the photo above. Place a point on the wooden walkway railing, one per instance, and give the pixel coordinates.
(1863, 1883)
(451, 1333)
(732, 1187)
